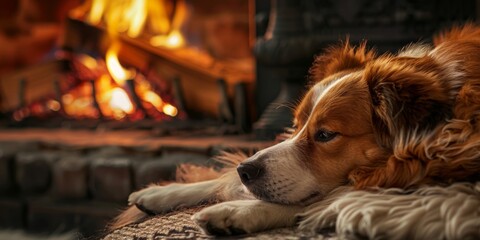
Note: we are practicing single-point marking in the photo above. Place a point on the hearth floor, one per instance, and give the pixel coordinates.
(60, 180)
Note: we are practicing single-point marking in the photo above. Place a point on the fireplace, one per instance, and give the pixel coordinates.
(143, 62)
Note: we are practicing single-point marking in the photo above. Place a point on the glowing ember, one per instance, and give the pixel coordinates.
(170, 110)
(153, 98)
(67, 99)
(53, 105)
(119, 74)
(119, 102)
(88, 61)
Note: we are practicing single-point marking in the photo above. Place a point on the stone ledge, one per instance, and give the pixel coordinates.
(82, 139)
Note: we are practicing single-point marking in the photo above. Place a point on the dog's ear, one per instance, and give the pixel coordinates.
(405, 99)
(339, 58)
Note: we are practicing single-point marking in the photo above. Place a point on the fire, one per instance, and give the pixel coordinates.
(151, 97)
(131, 17)
(134, 16)
(120, 103)
(88, 61)
(174, 39)
(96, 11)
(53, 105)
(77, 103)
(158, 17)
(118, 72)
(170, 110)
(138, 12)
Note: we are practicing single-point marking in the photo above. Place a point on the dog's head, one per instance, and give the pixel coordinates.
(348, 119)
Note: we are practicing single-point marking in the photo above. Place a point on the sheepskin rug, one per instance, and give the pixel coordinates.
(432, 212)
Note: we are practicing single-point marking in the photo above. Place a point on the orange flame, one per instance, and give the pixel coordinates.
(133, 16)
(118, 72)
(170, 110)
(128, 16)
(78, 102)
(150, 96)
(158, 17)
(174, 39)
(120, 103)
(137, 12)
(96, 11)
(88, 61)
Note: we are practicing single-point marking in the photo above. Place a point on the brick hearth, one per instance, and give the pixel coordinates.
(60, 180)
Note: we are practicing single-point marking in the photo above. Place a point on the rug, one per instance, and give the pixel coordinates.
(178, 225)
(430, 212)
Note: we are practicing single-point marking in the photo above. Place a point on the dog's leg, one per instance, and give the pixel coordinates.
(161, 199)
(245, 216)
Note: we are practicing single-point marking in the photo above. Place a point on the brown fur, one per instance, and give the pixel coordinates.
(426, 115)
(339, 58)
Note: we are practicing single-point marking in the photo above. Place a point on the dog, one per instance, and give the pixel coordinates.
(368, 122)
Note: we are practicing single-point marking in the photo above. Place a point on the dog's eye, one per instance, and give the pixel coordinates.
(323, 135)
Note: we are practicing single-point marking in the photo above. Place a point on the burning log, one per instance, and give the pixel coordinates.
(136, 99)
(178, 93)
(37, 84)
(95, 100)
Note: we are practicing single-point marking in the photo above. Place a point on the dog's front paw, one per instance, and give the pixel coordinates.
(151, 200)
(244, 216)
(159, 199)
(228, 218)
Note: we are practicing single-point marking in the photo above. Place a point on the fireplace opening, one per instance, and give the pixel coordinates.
(101, 88)
(142, 62)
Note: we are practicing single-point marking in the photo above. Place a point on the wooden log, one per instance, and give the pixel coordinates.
(39, 83)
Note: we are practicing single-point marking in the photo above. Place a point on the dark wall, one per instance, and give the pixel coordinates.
(386, 24)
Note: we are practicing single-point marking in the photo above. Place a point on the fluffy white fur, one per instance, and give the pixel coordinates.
(451, 212)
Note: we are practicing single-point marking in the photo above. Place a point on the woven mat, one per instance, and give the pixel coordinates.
(178, 225)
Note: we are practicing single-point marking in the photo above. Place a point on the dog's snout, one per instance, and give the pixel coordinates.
(249, 172)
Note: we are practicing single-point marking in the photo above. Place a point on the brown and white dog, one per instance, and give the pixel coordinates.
(368, 121)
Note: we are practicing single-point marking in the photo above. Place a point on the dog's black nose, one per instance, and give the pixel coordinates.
(249, 172)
